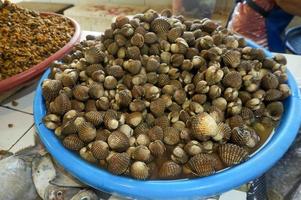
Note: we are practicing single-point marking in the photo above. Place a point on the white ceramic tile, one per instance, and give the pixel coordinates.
(25, 141)
(20, 124)
(128, 2)
(23, 98)
(233, 195)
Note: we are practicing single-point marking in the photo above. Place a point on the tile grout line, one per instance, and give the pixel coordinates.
(21, 137)
(14, 109)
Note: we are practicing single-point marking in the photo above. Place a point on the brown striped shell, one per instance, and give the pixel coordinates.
(174, 33)
(86, 131)
(157, 148)
(201, 164)
(81, 92)
(235, 121)
(139, 170)
(141, 153)
(244, 136)
(232, 58)
(160, 25)
(142, 128)
(115, 70)
(133, 119)
(94, 55)
(51, 89)
(60, 105)
(169, 170)
(203, 125)
(269, 81)
(232, 79)
(86, 154)
(171, 136)
(118, 163)
(73, 142)
(150, 38)
(273, 95)
(93, 68)
(95, 117)
(69, 128)
(102, 134)
(157, 107)
(223, 133)
(124, 97)
(118, 141)
(100, 149)
(179, 155)
(232, 154)
(110, 120)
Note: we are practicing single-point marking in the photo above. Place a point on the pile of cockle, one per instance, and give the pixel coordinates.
(27, 38)
(162, 97)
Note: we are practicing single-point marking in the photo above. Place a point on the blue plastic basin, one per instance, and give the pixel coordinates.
(218, 183)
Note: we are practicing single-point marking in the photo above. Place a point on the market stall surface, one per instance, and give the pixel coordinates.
(17, 126)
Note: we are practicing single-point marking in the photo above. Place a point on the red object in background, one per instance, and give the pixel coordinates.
(249, 23)
(35, 71)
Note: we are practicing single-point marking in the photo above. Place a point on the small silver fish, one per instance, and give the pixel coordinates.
(15, 175)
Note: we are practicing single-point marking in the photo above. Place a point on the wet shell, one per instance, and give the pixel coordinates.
(269, 81)
(169, 170)
(157, 107)
(157, 148)
(273, 95)
(139, 170)
(232, 79)
(179, 155)
(133, 119)
(118, 141)
(223, 133)
(100, 149)
(275, 110)
(96, 90)
(94, 55)
(81, 92)
(90, 105)
(235, 121)
(232, 154)
(163, 79)
(93, 68)
(232, 58)
(115, 71)
(171, 136)
(193, 147)
(203, 125)
(51, 89)
(174, 33)
(86, 131)
(244, 136)
(142, 128)
(213, 75)
(141, 153)
(95, 117)
(137, 105)
(73, 142)
(143, 139)
(69, 128)
(155, 133)
(150, 38)
(247, 114)
(133, 52)
(110, 82)
(60, 105)
(118, 163)
(179, 96)
(77, 105)
(133, 66)
(110, 120)
(124, 98)
(86, 154)
(201, 164)
(160, 25)
(137, 40)
(102, 134)
(152, 65)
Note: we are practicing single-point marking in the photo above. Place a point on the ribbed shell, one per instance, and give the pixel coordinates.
(118, 141)
(139, 170)
(133, 119)
(73, 142)
(169, 170)
(232, 154)
(100, 149)
(171, 136)
(118, 163)
(86, 131)
(275, 110)
(141, 153)
(96, 90)
(94, 55)
(223, 133)
(157, 107)
(110, 119)
(174, 33)
(155, 133)
(137, 40)
(235, 121)
(95, 117)
(93, 68)
(142, 128)
(150, 38)
(160, 25)
(133, 53)
(60, 105)
(81, 92)
(90, 105)
(115, 70)
(124, 97)
(273, 95)
(247, 114)
(245, 137)
(201, 164)
(203, 125)
(232, 79)
(51, 89)
(157, 148)
(232, 58)
(269, 81)
(69, 128)
(102, 134)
